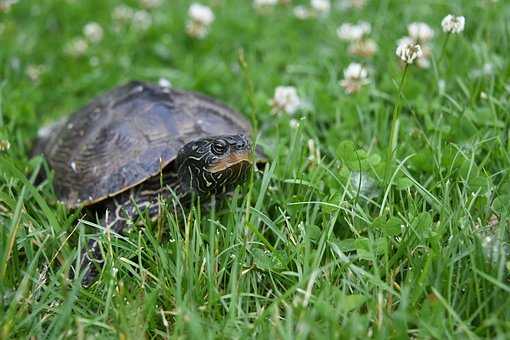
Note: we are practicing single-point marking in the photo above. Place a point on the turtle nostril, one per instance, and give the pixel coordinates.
(241, 144)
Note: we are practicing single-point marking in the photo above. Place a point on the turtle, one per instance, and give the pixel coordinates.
(138, 144)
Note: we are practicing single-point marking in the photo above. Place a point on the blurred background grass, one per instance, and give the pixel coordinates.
(299, 252)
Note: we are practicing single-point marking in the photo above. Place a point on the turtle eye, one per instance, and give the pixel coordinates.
(218, 148)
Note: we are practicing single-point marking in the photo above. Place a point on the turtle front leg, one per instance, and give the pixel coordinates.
(115, 221)
(92, 260)
(123, 209)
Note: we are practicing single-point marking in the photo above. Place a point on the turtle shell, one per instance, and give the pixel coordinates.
(127, 136)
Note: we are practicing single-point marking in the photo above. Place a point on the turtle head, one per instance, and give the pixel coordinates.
(213, 165)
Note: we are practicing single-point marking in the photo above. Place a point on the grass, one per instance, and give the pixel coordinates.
(302, 251)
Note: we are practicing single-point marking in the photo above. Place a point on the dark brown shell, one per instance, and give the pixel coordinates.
(128, 135)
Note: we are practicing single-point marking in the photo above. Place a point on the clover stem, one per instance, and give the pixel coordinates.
(395, 124)
(250, 87)
(443, 48)
(395, 121)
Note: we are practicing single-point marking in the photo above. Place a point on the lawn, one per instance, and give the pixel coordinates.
(383, 212)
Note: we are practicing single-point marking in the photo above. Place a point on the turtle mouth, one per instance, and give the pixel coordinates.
(233, 159)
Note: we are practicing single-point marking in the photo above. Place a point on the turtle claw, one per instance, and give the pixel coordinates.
(91, 264)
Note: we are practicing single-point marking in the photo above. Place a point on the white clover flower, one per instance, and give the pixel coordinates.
(201, 14)
(301, 12)
(487, 69)
(5, 5)
(347, 4)
(76, 47)
(353, 32)
(4, 145)
(142, 20)
(150, 3)
(264, 3)
(406, 41)
(294, 123)
(453, 24)
(34, 72)
(286, 99)
(200, 18)
(365, 27)
(122, 13)
(357, 34)
(321, 7)
(355, 76)
(93, 32)
(165, 83)
(420, 31)
(355, 71)
(346, 32)
(424, 60)
(363, 48)
(408, 51)
(196, 30)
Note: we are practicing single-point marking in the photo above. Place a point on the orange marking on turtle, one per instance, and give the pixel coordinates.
(232, 159)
